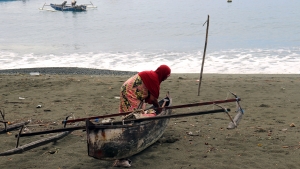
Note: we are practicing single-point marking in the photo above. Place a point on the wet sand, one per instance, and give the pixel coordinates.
(263, 139)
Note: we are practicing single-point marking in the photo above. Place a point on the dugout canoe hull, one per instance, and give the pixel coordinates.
(112, 144)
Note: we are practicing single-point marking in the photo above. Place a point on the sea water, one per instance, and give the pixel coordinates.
(134, 35)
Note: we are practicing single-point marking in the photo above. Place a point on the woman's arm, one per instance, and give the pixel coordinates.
(153, 101)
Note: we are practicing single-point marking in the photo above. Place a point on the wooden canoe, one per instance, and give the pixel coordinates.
(130, 139)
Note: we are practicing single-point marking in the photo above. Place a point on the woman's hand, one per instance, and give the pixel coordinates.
(155, 104)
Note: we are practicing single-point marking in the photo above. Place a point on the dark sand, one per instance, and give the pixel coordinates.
(264, 138)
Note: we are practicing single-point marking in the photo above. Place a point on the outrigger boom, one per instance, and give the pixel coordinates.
(170, 107)
(120, 124)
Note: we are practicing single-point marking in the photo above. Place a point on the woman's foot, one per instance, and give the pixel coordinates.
(122, 163)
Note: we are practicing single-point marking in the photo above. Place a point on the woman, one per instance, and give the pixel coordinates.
(142, 87)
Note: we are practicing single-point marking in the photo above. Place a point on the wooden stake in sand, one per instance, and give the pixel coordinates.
(200, 79)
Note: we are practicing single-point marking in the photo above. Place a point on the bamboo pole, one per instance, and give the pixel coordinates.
(111, 125)
(170, 107)
(29, 146)
(200, 79)
(13, 127)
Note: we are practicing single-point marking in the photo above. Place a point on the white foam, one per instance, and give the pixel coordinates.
(235, 61)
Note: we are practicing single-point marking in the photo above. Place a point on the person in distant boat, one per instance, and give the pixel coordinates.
(141, 88)
(73, 2)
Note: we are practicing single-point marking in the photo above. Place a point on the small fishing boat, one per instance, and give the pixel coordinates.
(113, 140)
(68, 7)
(65, 7)
(125, 140)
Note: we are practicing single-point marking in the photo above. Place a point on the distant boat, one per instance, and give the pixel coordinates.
(68, 7)
(65, 7)
(229, 0)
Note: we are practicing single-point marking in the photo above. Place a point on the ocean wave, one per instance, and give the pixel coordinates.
(235, 61)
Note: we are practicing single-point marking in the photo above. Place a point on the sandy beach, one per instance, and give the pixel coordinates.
(267, 136)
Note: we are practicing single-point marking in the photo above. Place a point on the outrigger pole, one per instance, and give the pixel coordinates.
(170, 107)
(120, 124)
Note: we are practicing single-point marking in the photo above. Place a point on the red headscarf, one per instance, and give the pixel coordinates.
(152, 79)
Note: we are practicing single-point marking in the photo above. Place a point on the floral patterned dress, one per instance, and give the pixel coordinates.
(133, 93)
